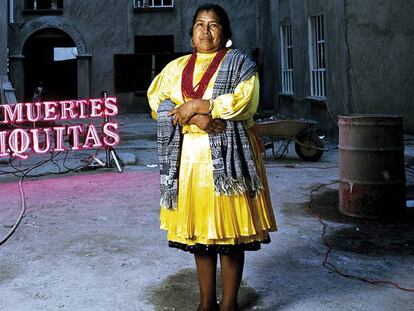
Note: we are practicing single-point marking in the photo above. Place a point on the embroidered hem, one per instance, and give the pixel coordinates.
(218, 248)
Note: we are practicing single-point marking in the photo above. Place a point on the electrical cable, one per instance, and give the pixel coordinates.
(330, 113)
(298, 100)
(23, 203)
(25, 174)
(329, 244)
(51, 160)
(22, 212)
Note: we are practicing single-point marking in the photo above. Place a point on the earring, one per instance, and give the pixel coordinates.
(192, 43)
(229, 43)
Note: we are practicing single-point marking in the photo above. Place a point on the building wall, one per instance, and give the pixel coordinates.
(178, 21)
(107, 32)
(101, 33)
(244, 18)
(369, 59)
(369, 55)
(105, 28)
(297, 13)
(381, 44)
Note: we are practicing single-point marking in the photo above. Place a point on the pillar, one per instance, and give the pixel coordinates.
(16, 63)
(83, 61)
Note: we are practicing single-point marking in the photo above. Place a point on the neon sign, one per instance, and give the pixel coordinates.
(18, 142)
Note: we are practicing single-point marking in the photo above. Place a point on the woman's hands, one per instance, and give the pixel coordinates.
(195, 112)
(208, 124)
(186, 111)
(183, 113)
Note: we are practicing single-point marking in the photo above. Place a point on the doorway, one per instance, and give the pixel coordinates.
(50, 60)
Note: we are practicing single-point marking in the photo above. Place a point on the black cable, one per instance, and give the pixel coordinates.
(23, 203)
(25, 174)
(329, 244)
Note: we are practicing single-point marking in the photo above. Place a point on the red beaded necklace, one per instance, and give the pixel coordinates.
(197, 91)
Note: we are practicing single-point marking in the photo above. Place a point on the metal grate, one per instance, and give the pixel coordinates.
(317, 56)
(286, 58)
(153, 3)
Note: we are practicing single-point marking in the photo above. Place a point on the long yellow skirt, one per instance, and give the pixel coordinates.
(206, 219)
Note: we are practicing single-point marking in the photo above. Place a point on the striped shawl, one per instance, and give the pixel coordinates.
(234, 171)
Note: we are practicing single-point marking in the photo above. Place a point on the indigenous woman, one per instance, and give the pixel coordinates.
(214, 194)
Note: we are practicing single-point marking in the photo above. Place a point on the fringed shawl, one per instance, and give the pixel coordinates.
(234, 171)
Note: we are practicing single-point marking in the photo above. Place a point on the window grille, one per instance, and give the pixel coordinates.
(317, 56)
(286, 58)
(153, 3)
(43, 4)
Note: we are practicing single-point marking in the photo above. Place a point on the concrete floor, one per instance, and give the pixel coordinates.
(90, 241)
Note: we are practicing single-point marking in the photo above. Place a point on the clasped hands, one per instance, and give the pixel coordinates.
(196, 112)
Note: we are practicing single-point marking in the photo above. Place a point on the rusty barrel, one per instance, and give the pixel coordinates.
(371, 166)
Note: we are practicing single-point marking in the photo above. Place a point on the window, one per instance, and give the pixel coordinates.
(286, 58)
(43, 4)
(317, 56)
(64, 53)
(153, 3)
(154, 44)
(134, 72)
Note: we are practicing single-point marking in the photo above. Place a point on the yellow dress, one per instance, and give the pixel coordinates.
(202, 217)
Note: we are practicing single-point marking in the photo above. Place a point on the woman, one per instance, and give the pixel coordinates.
(214, 193)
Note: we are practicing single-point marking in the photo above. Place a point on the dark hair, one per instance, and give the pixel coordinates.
(221, 14)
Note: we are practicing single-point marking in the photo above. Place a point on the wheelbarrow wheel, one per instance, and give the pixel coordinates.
(307, 147)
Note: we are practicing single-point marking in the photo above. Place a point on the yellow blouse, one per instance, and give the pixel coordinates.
(240, 105)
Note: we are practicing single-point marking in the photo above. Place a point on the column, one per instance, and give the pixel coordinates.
(83, 75)
(16, 63)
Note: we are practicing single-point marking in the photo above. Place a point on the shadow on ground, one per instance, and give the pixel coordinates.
(180, 292)
(362, 236)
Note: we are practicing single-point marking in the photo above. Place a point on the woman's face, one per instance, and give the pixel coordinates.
(207, 32)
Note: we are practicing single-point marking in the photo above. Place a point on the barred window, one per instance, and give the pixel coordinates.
(317, 56)
(286, 58)
(43, 4)
(153, 3)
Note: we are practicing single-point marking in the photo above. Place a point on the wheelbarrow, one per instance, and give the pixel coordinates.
(308, 144)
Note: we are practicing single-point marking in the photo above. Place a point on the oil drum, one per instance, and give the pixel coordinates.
(371, 166)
